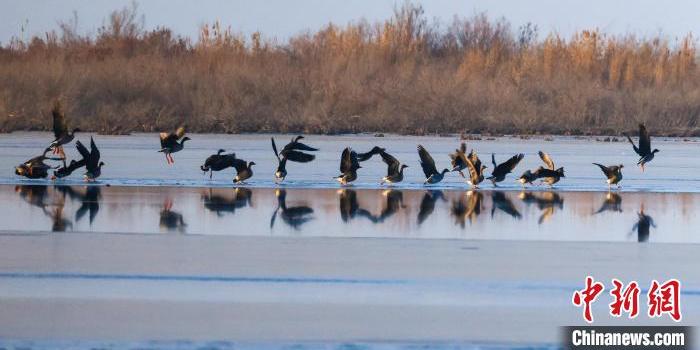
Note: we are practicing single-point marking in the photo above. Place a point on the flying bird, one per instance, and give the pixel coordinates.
(501, 170)
(394, 169)
(218, 162)
(93, 165)
(427, 163)
(292, 151)
(348, 167)
(644, 150)
(549, 175)
(476, 169)
(61, 132)
(172, 142)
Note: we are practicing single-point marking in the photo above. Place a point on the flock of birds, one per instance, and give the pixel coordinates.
(296, 151)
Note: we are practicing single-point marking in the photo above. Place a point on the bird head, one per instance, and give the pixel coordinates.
(445, 171)
(403, 166)
(101, 164)
(185, 139)
(204, 168)
(621, 166)
(561, 172)
(20, 170)
(76, 130)
(655, 150)
(251, 164)
(221, 150)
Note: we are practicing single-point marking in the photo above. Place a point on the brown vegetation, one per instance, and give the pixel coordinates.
(404, 75)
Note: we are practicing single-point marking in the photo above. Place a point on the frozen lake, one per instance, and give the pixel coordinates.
(133, 160)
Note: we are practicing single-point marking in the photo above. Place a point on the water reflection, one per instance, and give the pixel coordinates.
(427, 204)
(352, 212)
(294, 216)
(171, 220)
(643, 225)
(503, 203)
(547, 203)
(612, 202)
(220, 202)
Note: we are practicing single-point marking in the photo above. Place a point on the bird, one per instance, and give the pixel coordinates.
(36, 168)
(395, 169)
(476, 169)
(93, 165)
(172, 142)
(613, 173)
(61, 132)
(528, 177)
(361, 157)
(459, 159)
(549, 175)
(292, 152)
(501, 170)
(644, 150)
(348, 167)
(218, 162)
(432, 176)
(244, 170)
(66, 170)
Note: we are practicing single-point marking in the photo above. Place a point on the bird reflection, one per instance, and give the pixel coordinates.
(427, 204)
(220, 204)
(467, 209)
(60, 224)
(90, 200)
(349, 206)
(394, 202)
(612, 202)
(643, 225)
(502, 202)
(547, 202)
(292, 216)
(37, 195)
(171, 220)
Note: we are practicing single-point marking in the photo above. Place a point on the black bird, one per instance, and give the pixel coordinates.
(432, 176)
(613, 173)
(218, 162)
(350, 207)
(171, 220)
(292, 216)
(644, 150)
(361, 157)
(292, 152)
(528, 177)
(501, 170)
(394, 171)
(244, 170)
(348, 167)
(502, 202)
(171, 143)
(66, 170)
(612, 202)
(60, 130)
(427, 204)
(459, 159)
(36, 168)
(93, 165)
(549, 175)
(643, 225)
(476, 170)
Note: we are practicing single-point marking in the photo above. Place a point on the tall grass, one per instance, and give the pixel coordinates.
(406, 74)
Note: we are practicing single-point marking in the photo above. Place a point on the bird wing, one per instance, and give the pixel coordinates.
(274, 148)
(459, 157)
(473, 170)
(393, 163)
(60, 128)
(82, 150)
(167, 139)
(474, 158)
(644, 140)
(547, 160)
(426, 162)
(180, 132)
(299, 146)
(510, 164)
(463, 147)
(346, 160)
(94, 154)
(239, 164)
(297, 156)
(607, 171)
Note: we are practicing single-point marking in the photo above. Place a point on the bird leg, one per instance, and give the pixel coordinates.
(61, 152)
(211, 173)
(461, 173)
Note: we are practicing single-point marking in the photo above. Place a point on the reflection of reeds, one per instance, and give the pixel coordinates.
(405, 74)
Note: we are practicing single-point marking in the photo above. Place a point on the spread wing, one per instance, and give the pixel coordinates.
(167, 139)
(473, 170)
(644, 140)
(459, 158)
(607, 171)
(60, 127)
(239, 164)
(296, 156)
(94, 155)
(299, 146)
(547, 160)
(274, 148)
(346, 160)
(474, 158)
(393, 163)
(426, 162)
(82, 150)
(510, 164)
(180, 132)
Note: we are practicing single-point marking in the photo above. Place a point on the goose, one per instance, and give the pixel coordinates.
(644, 150)
(93, 165)
(613, 173)
(459, 159)
(292, 152)
(549, 175)
(244, 170)
(61, 132)
(432, 176)
(35, 168)
(172, 142)
(476, 170)
(361, 157)
(394, 169)
(218, 162)
(348, 167)
(501, 170)
(528, 177)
